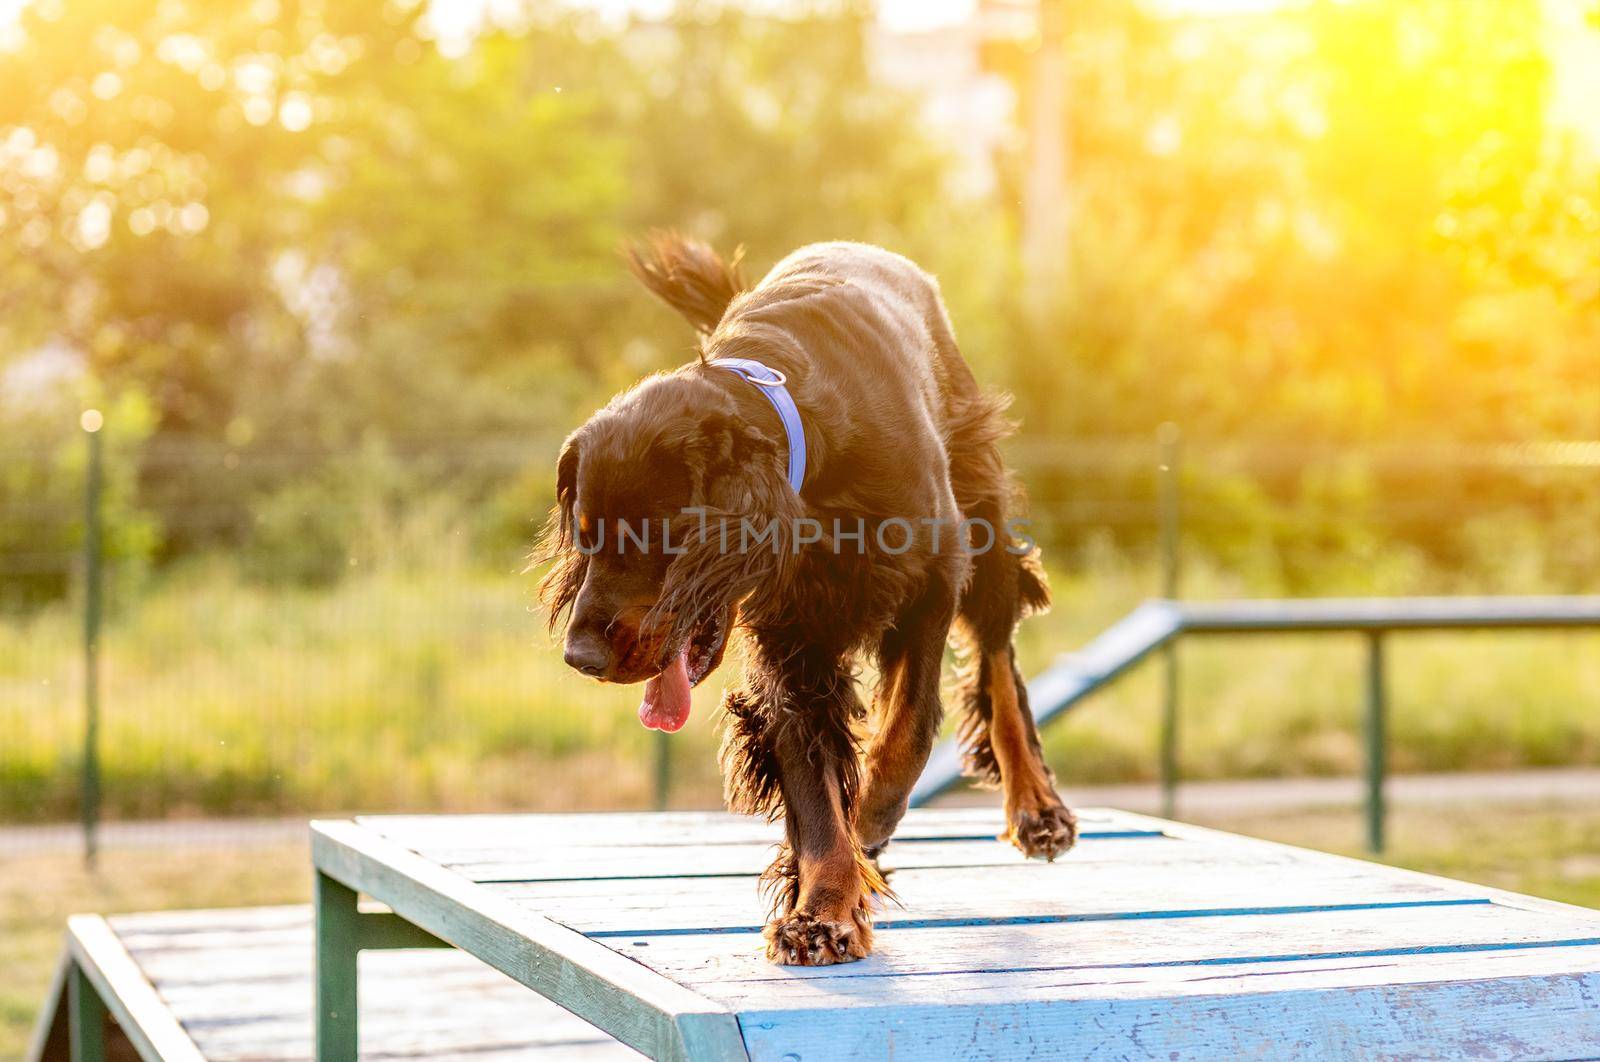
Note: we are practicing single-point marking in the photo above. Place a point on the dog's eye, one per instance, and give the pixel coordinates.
(585, 531)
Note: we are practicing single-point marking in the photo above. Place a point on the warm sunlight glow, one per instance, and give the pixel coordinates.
(304, 305)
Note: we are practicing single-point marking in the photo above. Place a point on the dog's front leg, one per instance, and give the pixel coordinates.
(830, 920)
(795, 726)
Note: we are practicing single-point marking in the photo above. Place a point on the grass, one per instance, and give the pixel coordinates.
(1546, 851)
(438, 689)
(38, 892)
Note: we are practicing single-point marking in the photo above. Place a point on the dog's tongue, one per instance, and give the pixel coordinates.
(666, 697)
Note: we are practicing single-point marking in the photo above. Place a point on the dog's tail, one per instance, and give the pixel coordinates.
(688, 276)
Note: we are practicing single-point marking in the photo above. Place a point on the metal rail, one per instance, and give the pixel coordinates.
(1162, 623)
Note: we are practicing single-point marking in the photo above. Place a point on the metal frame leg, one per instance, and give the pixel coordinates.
(86, 1020)
(1169, 733)
(1377, 742)
(343, 932)
(338, 944)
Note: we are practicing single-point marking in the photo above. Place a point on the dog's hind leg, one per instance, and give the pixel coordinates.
(906, 709)
(997, 728)
(1003, 745)
(790, 748)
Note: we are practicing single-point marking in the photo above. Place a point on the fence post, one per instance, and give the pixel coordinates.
(1169, 438)
(90, 797)
(91, 422)
(1377, 737)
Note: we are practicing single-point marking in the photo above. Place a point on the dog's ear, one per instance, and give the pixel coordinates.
(560, 585)
(731, 463)
(739, 488)
(567, 479)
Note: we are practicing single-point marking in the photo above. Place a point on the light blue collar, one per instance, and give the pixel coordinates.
(771, 383)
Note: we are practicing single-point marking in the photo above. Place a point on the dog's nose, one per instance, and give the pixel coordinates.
(587, 653)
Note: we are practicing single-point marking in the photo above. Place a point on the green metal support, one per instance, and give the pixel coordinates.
(86, 1020)
(92, 574)
(343, 932)
(1169, 437)
(1377, 742)
(1169, 731)
(338, 943)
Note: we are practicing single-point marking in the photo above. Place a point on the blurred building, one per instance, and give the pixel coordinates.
(1572, 28)
(970, 105)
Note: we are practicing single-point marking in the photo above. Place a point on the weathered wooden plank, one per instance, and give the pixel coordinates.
(1544, 1017)
(732, 969)
(576, 854)
(236, 920)
(239, 983)
(649, 862)
(210, 933)
(1160, 981)
(643, 1010)
(443, 837)
(1235, 845)
(498, 1022)
(235, 982)
(130, 998)
(969, 919)
(995, 956)
(1027, 891)
(400, 1017)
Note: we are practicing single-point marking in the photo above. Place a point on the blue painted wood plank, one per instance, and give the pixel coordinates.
(461, 839)
(890, 922)
(675, 861)
(908, 965)
(1023, 891)
(988, 987)
(1150, 939)
(1555, 1016)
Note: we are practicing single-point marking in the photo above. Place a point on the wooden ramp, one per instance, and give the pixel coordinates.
(1150, 940)
(236, 986)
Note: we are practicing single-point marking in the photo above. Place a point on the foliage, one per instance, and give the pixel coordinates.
(42, 472)
(301, 232)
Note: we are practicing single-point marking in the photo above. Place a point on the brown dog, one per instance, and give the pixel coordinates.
(676, 520)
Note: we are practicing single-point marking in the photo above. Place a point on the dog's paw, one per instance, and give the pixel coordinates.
(800, 939)
(1044, 830)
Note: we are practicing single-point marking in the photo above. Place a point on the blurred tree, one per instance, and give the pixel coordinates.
(301, 224)
(1259, 203)
(298, 228)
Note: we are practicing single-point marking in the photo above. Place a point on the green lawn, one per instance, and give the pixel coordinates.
(1547, 851)
(440, 690)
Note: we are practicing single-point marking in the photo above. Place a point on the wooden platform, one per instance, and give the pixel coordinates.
(1150, 940)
